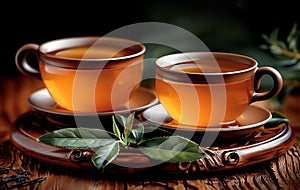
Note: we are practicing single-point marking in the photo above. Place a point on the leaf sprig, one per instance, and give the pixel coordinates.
(287, 51)
(107, 144)
(287, 60)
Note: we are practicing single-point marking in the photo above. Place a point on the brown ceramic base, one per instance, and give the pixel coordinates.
(267, 144)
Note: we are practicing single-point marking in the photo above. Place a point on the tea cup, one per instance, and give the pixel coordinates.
(85, 74)
(211, 89)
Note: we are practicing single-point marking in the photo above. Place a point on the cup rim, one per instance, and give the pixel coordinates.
(178, 58)
(164, 63)
(50, 46)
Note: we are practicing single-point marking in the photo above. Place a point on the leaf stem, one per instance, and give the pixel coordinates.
(287, 53)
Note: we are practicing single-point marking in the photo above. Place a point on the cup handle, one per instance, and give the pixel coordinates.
(22, 63)
(277, 83)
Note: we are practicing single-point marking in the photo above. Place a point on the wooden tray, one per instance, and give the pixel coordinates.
(267, 144)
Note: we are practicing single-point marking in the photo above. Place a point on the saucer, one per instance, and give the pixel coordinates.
(247, 124)
(42, 101)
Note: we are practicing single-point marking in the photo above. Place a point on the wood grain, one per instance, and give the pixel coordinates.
(279, 173)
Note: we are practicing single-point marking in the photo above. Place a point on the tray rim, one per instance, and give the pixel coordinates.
(247, 154)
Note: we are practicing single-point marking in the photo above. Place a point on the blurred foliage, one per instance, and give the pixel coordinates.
(287, 56)
(286, 53)
(220, 26)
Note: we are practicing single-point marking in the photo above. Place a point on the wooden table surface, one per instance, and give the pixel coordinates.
(278, 173)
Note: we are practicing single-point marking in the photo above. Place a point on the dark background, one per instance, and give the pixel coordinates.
(228, 25)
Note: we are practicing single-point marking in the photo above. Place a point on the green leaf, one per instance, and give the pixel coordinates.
(172, 149)
(128, 127)
(277, 119)
(129, 122)
(105, 155)
(292, 38)
(116, 128)
(292, 33)
(77, 138)
(293, 44)
(138, 133)
(121, 119)
(274, 36)
(266, 37)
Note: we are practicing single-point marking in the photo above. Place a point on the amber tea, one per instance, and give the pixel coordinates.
(88, 52)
